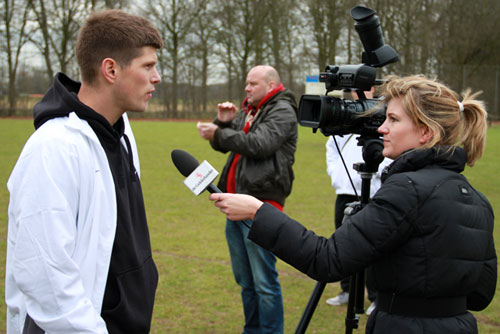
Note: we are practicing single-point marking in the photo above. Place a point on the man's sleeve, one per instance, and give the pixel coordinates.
(265, 139)
(44, 206)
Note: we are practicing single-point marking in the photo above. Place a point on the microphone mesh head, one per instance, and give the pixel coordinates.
(184, 162)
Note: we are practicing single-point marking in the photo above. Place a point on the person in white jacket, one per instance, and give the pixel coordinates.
(346, 147)
(79, 256)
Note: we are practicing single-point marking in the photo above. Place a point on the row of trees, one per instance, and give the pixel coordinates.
(211, 42)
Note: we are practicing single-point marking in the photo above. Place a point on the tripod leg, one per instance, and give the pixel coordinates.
(311, 306)
(351, 319)
(360, 292)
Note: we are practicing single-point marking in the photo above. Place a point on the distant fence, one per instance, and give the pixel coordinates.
(479, 78)
(150, 115)
(4, 112)
(181, 115)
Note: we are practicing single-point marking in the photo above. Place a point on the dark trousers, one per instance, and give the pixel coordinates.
(340, 204)
(30, 327)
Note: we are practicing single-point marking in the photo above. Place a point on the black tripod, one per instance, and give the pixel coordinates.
(372, 156)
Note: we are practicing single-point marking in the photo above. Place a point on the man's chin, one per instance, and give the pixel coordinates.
(252, 103)
(138, 110)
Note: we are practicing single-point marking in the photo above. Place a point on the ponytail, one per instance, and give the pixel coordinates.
(474, 127)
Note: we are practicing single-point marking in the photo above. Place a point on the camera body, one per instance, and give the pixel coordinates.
(335, 116)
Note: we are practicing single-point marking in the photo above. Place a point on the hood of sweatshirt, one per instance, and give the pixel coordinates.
(62, 98)
(59, 101)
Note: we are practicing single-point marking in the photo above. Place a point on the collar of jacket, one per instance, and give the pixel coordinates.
(452, 158)
(249, 108)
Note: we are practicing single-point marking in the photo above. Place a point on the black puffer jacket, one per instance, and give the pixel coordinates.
(267, 151)
(427, 233)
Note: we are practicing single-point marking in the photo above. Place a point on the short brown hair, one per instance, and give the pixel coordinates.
(430, 103)
(115, 34)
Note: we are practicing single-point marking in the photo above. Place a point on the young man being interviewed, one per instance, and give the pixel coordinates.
(79, 254)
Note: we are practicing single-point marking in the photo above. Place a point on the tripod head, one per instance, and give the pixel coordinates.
(372, 156)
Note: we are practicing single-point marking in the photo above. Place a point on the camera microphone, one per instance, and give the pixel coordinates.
(198, 176)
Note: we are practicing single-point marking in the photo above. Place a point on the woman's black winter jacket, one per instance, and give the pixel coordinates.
(427, 233)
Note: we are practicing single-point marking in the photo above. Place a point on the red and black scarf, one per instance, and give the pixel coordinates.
(252, 114)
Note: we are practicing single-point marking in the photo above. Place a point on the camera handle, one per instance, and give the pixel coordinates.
(372, 156)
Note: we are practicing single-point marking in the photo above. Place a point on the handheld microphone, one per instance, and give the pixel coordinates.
(187, 164)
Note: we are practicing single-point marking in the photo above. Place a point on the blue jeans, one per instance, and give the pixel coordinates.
(254, 269)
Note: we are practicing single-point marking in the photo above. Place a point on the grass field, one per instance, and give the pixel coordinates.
(197, 293)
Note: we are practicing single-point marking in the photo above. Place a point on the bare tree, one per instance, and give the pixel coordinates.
(225, 40)
(259, 12)
(463, 39)
(174, 19)
(327, 18)
(403, 31)
(116, 3)
(242, 37)
(16, 34)
(425, 32)
(457, 40)
(204, 30)
(282, 23)
(58, 22)
(286, 39)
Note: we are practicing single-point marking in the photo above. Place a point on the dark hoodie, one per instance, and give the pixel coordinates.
(132, 279)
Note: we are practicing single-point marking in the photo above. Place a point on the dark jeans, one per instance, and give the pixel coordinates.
(254, 269)
(340, 204)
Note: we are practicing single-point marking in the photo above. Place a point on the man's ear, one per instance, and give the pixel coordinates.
(426, 134)
(108, 69)
(271, 85)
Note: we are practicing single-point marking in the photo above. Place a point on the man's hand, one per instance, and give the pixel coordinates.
(226, 111)
(206, 130)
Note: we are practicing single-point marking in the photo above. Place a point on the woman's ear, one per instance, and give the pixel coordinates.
(426, 134)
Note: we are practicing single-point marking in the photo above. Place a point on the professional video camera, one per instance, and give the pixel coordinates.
(335, 116)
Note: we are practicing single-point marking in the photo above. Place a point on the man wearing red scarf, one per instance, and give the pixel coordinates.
(262, 140)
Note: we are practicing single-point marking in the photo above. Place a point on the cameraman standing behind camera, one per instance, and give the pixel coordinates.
(427, 232)
(348, 192)
(262, 140)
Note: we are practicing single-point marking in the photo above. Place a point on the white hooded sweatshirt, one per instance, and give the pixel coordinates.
(62, 222)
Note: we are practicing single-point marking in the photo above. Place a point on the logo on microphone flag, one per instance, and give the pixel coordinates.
(201, 178)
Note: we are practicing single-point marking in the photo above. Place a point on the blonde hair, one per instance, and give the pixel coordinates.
(434, 105)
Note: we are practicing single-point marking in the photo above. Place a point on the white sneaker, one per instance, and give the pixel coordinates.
(341, 299)
(371, 308)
